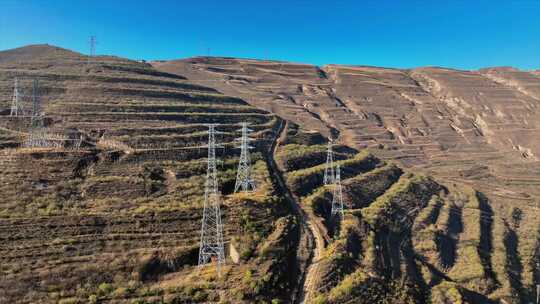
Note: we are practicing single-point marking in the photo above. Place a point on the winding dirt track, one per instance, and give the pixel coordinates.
(311, 241)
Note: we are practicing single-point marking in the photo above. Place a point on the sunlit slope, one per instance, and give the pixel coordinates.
(119, 219)
(472, 128)
(406, 236)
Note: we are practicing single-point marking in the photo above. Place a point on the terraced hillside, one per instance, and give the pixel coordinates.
(438, 209)
(474, 128)
(118, 220)
(405, 237)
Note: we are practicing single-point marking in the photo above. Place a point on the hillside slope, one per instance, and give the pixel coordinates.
(118, 220)
(473, 127)
(438, 208)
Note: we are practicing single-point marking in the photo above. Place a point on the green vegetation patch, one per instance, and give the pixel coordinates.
(357, 287)
(295, 157)
(469, 269)
(342, 255)
(408, 193)
(446, 292)
(303, 182)
(359, 191)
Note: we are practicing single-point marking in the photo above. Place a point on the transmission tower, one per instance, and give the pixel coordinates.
(16, 106)
(211, 246)
(36, 105)
(243, 176)
(92, 44)
(329, 173)
(337, 195)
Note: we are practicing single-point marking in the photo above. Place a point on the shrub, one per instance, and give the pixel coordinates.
(248, 275)
(105, 288)
(120, 292)
(319, 299)
(446, 292)
(92, 299)
(359, 287)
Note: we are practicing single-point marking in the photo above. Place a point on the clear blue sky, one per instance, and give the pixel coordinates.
(464, 34)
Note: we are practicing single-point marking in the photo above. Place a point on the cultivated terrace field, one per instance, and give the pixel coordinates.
(117, 220)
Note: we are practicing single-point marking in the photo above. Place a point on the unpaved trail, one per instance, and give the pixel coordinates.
(311, 241)
(309, 289)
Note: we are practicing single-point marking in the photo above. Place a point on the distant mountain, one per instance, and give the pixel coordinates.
(36, 52)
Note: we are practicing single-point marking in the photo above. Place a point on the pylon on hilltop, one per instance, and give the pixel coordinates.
(243, 175)
(92, 44)
(212, 246)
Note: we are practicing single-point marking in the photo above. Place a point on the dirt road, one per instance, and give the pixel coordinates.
(311, 241)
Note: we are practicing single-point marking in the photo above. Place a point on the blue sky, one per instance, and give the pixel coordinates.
(451, 33)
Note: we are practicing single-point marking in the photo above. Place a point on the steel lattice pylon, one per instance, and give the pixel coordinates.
(16, 106)
(36, 106)
(337, 195)
(92, 43)
(38, 136)
(243, 175)
(329, 173)
(211, 229)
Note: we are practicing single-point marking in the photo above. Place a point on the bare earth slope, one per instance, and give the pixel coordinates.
(474, 127)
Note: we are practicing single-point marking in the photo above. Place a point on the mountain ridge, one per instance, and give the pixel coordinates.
(40, 49)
